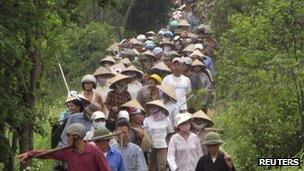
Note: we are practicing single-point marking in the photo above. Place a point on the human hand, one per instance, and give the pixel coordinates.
(228, 160)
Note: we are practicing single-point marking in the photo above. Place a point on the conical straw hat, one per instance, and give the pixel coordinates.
(108, 59)
(134, 41)
(148, 53)
(117, 67)
(197, 62)
(168, 89)
(151, 33)
(183, 23)
(159, 104)
(174, 54)
(202, 115)
(162, 66)
(113, 47)
(189, 48)
(116, 78)
(125, 61)
(197, 53)
(132, 68)
(134, 103)
(102, 71)
(166, 42)
(130, 52)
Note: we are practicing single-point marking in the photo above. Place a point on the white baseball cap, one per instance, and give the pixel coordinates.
(123, 114)
(98, 115)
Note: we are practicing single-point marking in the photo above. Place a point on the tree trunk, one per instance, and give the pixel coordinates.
(27, 132)
(124, 22)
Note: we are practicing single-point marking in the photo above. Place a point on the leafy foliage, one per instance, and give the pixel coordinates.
(261, 80)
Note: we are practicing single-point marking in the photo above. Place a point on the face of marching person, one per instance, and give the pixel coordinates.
(103, 145)
(151, 82)
(197, 69)
(213, 149)
(137, 118)
(102, 79)
(176, 68)
(88, 86)
(73, 139)
(73, 108)
(125, 134)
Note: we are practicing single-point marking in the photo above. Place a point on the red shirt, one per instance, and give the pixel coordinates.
(91, 159)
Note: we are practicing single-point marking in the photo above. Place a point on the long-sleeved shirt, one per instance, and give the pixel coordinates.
(90, 159)
(134, 156)
(209, 64)
(205, 163)
(116, 160)
(75, 118)
(183, 154)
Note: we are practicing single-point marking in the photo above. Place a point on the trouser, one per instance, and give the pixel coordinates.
(159, 159)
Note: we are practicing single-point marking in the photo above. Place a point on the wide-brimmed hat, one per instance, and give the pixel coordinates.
(125, 61)
(173, 53)
(134, 41)
(202, 115)
(196, 53)
(162, 66)
(132, 68)
(101, 132)
(148, 53)
(168, 90)
(102, 71)
(197, 62)
(183, 117)
(183, 23)
(159, 104)
(129, 52)
(149, 33)
(116, 78)
(113, 47)
(83, 99)
(166, 42)
(108, 59)
(213, 138)
(189, 48)
(134, 103)
(117, 68)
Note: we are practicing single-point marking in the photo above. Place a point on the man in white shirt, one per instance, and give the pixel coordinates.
(181, 83)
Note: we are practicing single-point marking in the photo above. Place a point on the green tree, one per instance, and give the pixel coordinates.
(260, 80)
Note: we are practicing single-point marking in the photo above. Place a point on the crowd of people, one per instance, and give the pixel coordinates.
(140, 91)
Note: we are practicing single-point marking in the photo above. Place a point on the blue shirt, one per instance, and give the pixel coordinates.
(75, 118)
(115, 160)
(134, 157)
(209, 64)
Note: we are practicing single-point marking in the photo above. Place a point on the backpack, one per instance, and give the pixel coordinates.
(57, 131)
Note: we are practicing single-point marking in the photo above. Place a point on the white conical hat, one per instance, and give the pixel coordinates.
(116, 78)
(102, 71)
(159, 104)
(168, 89)
(134, 103)
(162, 66)
(108, 59)
(113, 47)
(134, 69)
